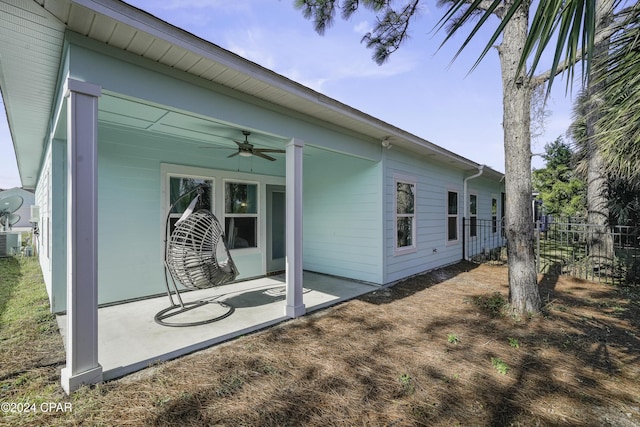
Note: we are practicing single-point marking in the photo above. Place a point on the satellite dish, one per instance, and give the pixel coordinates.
(9, 219)
(10, 204)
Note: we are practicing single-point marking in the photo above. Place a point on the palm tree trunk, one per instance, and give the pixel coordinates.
(524, 295)
(601, 251)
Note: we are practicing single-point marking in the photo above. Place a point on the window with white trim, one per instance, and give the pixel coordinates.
(494, 214)
(502, 213)
(241, 214)
(405, 215)
(181, 184)
(473, 215)
(452, 216)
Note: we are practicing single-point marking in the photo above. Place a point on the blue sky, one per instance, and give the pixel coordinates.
(418, 89)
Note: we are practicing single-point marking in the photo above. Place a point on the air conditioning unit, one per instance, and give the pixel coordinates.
(35, 213)
(10, 243)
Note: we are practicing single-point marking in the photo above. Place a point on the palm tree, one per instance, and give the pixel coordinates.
(579, 32)
(619, 138)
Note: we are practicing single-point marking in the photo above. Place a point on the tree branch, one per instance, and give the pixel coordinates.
(603, 35)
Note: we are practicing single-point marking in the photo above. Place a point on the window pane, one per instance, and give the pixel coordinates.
(241, 198)
(405, 232)
(241, 232)
(473, 204)
(453, 203)
(178, 186)
(494, 207)
(452, 228)
(473, 226)
(404, 197)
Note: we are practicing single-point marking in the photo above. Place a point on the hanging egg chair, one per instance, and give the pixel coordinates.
(196, 257)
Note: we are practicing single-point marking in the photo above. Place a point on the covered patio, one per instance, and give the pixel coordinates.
(129, 339)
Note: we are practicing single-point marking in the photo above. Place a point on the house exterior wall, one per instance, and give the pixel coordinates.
(130, 179)
(43, 200)
(349, 185)
(132, 207)
(433, 181)
(343, 217)
(50, 197)
(488, 235)
(124, 73)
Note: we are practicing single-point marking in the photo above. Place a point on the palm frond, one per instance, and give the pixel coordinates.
(619, 124)
(567, 27)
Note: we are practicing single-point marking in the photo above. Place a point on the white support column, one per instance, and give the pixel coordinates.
(82, 226)
(295, 306)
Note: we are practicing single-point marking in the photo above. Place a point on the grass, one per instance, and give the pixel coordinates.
(500, 365)
(31, 352)
(378, 360)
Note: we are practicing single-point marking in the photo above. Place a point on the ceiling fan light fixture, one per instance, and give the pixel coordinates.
(245, 153)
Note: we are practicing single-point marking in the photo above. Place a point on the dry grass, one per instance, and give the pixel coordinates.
(425, 352)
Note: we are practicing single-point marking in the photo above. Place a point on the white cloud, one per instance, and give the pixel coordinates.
(362, 28)
(313, 60)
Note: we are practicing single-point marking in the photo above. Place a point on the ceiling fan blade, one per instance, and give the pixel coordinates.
(233, 154)
(269, 150)
(264, 156)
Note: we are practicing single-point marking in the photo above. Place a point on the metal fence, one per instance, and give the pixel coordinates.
(483, 240)
(564, 247)
(586, 251)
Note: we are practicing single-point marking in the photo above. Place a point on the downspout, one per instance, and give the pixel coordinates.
(465, 193)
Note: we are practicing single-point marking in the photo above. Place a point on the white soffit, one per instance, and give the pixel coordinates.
(30, 50)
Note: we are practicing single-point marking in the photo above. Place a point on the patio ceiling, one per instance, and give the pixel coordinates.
(114, 110)
(31, 43)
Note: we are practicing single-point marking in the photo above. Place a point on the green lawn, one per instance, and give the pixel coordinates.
(31, 348)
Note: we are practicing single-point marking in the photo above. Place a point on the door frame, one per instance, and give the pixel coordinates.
(276, 265)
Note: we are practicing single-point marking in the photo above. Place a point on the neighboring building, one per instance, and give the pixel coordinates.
(111, 108)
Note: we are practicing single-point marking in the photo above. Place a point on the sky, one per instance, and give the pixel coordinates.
(419, 89)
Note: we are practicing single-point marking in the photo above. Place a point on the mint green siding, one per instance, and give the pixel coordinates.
(348, 181)
(343, 216)
(433, 181)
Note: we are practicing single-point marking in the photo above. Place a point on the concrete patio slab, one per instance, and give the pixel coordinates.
(129, 339)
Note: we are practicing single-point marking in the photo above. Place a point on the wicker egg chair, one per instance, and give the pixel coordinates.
(191, 259)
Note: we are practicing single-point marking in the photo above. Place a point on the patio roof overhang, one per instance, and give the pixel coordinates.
(32, 35)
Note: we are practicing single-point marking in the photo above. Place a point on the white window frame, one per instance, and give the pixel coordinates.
(185, 175)
(256, 215)
(167, 171)
(413, 247)
(495, 223)
(473, 215)
(450, 215)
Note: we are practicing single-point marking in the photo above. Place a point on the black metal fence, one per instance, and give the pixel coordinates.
(483, 240)
(588, 251)
(567, 246)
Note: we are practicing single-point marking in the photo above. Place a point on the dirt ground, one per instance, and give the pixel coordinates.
(436, 350)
